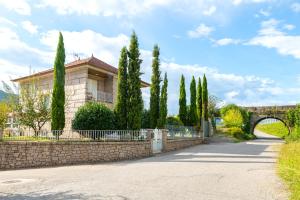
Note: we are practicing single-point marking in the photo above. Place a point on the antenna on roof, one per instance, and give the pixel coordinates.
(76, 56)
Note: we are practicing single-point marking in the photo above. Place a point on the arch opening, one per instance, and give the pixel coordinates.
(269, 126)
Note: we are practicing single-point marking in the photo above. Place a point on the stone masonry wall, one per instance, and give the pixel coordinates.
(14, 155)
(171, 145)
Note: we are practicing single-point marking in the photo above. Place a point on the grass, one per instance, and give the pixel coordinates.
(277, 129)
(235, 133)
(289, 167)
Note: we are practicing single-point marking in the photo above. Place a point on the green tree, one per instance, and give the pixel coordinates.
(4, 111)
(58, 95)
(163, 103)
(135, 101)
(233, 118)
(199, 101)
(204, 99)
(182, 101)
(155, 88)
(193, 105)
(122, 98)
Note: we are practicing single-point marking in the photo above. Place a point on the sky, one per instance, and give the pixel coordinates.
(248, 49)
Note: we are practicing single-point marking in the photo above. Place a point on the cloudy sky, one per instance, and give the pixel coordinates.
(249, 49)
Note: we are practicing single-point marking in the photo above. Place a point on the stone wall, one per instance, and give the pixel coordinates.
(171, 145)
(14, 155)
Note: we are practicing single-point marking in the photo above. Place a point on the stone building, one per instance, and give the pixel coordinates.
(86, 80)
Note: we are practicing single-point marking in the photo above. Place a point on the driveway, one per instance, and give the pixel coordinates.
(217, 171)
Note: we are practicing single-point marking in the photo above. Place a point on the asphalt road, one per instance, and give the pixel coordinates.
(217, 171)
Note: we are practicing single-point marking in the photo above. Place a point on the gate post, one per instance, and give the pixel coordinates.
(164, 139)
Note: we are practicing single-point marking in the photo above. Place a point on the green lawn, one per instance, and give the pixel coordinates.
(277, 129)
(289, 167)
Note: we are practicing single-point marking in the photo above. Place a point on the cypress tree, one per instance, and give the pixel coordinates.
(182, 101)
(155, 89)
(121, 105)
(135, 101)
(199, 101)
(58, 95)
(193, 106)
(163, 103)
(204, 99)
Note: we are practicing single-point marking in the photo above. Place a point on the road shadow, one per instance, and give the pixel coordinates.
(68, 195)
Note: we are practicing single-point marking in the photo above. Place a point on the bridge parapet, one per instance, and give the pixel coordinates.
(268, 110)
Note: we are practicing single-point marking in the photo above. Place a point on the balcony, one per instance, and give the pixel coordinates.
(100, 97)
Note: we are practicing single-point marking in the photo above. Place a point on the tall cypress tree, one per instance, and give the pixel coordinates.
(121, 105)
(58, 94)
(199, 101)
(193, 106)
(182, 101)
(155, 88)
(204, 99)
(163, 103)
(135, 101)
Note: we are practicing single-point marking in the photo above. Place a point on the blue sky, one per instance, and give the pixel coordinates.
(249, 49)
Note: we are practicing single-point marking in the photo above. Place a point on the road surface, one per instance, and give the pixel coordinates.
(217, 171)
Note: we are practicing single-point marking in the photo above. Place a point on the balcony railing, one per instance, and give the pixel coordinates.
(101, 97)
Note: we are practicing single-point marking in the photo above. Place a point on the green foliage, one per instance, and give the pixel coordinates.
(163, 103)
(199, 101)
(58, 95)
(212, 109)
(93, 116)
(278, 129)
(4, 111)
(171, 120)
(155, 88)
(291, 117)
(243, 114)
(233, 118)
(33, 110)
(237, 133)
(146, 119)
(193, 106)
(204, 99)
(135, 101)
(182, 101)
(289, 167)
(122, 98)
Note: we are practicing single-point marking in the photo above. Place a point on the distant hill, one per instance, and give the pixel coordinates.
(3, 95)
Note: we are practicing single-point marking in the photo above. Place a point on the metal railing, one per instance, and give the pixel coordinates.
(178, 132)
(76, 135)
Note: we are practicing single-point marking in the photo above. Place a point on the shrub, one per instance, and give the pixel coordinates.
(171, 120)
(93, 116)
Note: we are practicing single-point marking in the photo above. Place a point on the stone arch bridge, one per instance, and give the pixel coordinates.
(260, 113)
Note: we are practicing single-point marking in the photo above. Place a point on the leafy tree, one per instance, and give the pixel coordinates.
(199, 101)
(182, 101)
(4, 111)
(163, 103)
(212, 109)
(291, 117)
(58, 95)
(135, 101)
(233, 118)
(93, 116)
(122, 98)
(33, 109)
(155, 88)
(174, 121)
(204, 99)
(193, 105)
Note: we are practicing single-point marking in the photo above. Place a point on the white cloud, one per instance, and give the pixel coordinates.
(227, 41)
(270, 36)
(28, 26)
(265, 13)
(238, 2)
(7, 21)
(87, 43)
(289, 27)
(295, 7)
(211, 10)
(21, 7)
(201, 31)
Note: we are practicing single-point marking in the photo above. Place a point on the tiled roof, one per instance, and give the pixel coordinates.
(92, 61)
